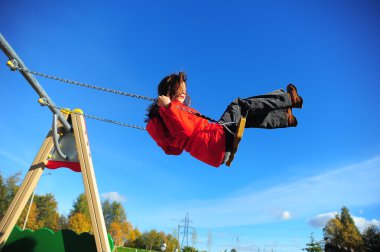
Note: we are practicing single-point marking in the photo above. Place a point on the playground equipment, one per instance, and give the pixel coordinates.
(73, 124)
(67, 145)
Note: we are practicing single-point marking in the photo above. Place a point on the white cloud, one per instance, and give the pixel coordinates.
(113, 196)
(361, 223)
(321, 219)
(354, 185)
(285, 215)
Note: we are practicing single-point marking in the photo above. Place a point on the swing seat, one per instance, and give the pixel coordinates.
(237, 139)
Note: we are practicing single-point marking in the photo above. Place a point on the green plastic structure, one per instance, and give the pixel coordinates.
(46, 240)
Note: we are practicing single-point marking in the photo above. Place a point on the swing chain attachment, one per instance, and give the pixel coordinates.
(12, 64)
(77, 83)
(56, 138)
(44, 102)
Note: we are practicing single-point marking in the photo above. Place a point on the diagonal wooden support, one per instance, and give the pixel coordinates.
(26, 189)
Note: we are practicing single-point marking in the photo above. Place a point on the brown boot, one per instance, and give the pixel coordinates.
(292, 121)
(297, 100)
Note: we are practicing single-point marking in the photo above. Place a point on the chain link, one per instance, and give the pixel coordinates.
(84, 84)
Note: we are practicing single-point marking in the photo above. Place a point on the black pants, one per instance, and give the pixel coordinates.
(266, 111)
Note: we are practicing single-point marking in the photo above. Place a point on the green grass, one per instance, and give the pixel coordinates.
(125, 249)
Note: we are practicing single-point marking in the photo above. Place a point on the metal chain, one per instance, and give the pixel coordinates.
(114, 122)
(77, 83)
(44, 103)
(81, 84)
(197, 114)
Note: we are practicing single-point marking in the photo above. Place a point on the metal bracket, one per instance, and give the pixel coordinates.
(12, 64)
(64, 142)
(56, 137)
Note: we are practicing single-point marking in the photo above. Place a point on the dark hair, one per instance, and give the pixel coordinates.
(167, 86)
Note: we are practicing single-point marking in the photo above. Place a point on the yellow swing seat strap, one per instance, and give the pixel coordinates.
(237, 139)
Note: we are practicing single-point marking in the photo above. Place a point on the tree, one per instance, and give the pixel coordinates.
(3, 195)
(107, 212)
(341, 232)
(171, 242)
(122, 232)
(118, 212)
(32, 218)
(116, 231)
(8, 190)
(79, 217)
(114, 216)
(194, 237)
(79, 223)
(43, 213)
(113, 212)
(63, 222)
(313, 246)
(134, 235)
(371, 239)
(47, 214)
(80, 206)
(129, 233)
(117, 225)
(151, 240)
(189, 249)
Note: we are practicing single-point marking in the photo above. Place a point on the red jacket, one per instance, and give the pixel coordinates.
(179, 130)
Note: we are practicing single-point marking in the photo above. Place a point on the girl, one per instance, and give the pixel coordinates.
(176, 127)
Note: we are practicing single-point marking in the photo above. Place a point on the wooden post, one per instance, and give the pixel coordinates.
(89, 181)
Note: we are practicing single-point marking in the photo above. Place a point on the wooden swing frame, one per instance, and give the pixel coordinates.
(78, 126)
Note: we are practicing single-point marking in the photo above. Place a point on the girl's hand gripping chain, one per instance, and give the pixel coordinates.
(163, 101)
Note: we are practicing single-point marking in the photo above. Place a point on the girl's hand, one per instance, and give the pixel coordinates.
(163, 101)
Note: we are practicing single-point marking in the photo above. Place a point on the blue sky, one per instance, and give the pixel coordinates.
(283, 185)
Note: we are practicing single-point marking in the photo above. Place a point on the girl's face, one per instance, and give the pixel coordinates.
(181, 93)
